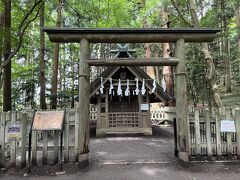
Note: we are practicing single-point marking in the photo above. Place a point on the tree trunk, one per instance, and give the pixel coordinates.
(208, 58)
(225, 49)
(148, 54)
(1, 45)
(72, 76)
(238, 33)
(54, 82)
(60, 80)
(7, 99)
(43, 105)
(63, 77)
(167, 70)
(147, 46)
(1, 36)
(32, 81)
(156, 68)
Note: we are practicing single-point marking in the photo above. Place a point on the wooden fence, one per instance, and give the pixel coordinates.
(206, 139)
(44, 144)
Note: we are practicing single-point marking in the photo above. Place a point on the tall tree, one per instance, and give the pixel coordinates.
(148, 54)
(238, 33)
(225, 49)
(41, 57)
(7, 100)
(1, 36)
(54, 82)
(205, 49)
(1, 44)
(72, 74)
(167, 70)
(147, 46)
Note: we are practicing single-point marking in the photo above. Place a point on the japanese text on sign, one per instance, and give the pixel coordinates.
(13, 132)
(144, 107)
(228, 126)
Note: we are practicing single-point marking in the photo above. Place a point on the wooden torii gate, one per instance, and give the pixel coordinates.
(177, 36)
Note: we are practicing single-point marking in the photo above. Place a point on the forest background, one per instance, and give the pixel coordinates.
(35, 73)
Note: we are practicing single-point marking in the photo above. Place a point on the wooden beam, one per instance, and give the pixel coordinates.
(84, 105)
(123, 35)
(134, 62)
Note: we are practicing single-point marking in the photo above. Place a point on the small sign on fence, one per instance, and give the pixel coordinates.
(228, 126)
(13, 132)
(48, 120)
(144, 107)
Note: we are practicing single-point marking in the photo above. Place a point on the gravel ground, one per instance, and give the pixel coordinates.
(133, 158)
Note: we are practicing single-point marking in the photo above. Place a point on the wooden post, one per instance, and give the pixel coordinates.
(56, 147)
(13, 142)
(76, 135)
(24, 139)
(44, 149)
(34, 148)
(148, 112)
(98, 112)
(175, 137)
(218, 135)
(197, 134)
(106, 109)
(66, 137)
(181, 102)
(84, 104)
(140, 118)
(2, 138)
(208, 135)
(229, 137)
(237, 122)
(99, 131)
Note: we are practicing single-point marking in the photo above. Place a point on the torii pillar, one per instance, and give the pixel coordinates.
(181, 102)
(84, 104)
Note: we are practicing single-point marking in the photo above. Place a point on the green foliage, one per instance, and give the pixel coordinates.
(209, 20)
(109, 14)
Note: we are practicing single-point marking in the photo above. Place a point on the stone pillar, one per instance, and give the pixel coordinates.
(84, 104)
(181, 103)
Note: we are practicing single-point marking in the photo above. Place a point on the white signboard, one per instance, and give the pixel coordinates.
(13, 131)
(144, 107)
(228, 126)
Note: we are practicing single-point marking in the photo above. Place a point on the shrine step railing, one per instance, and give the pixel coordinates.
(159, 115)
